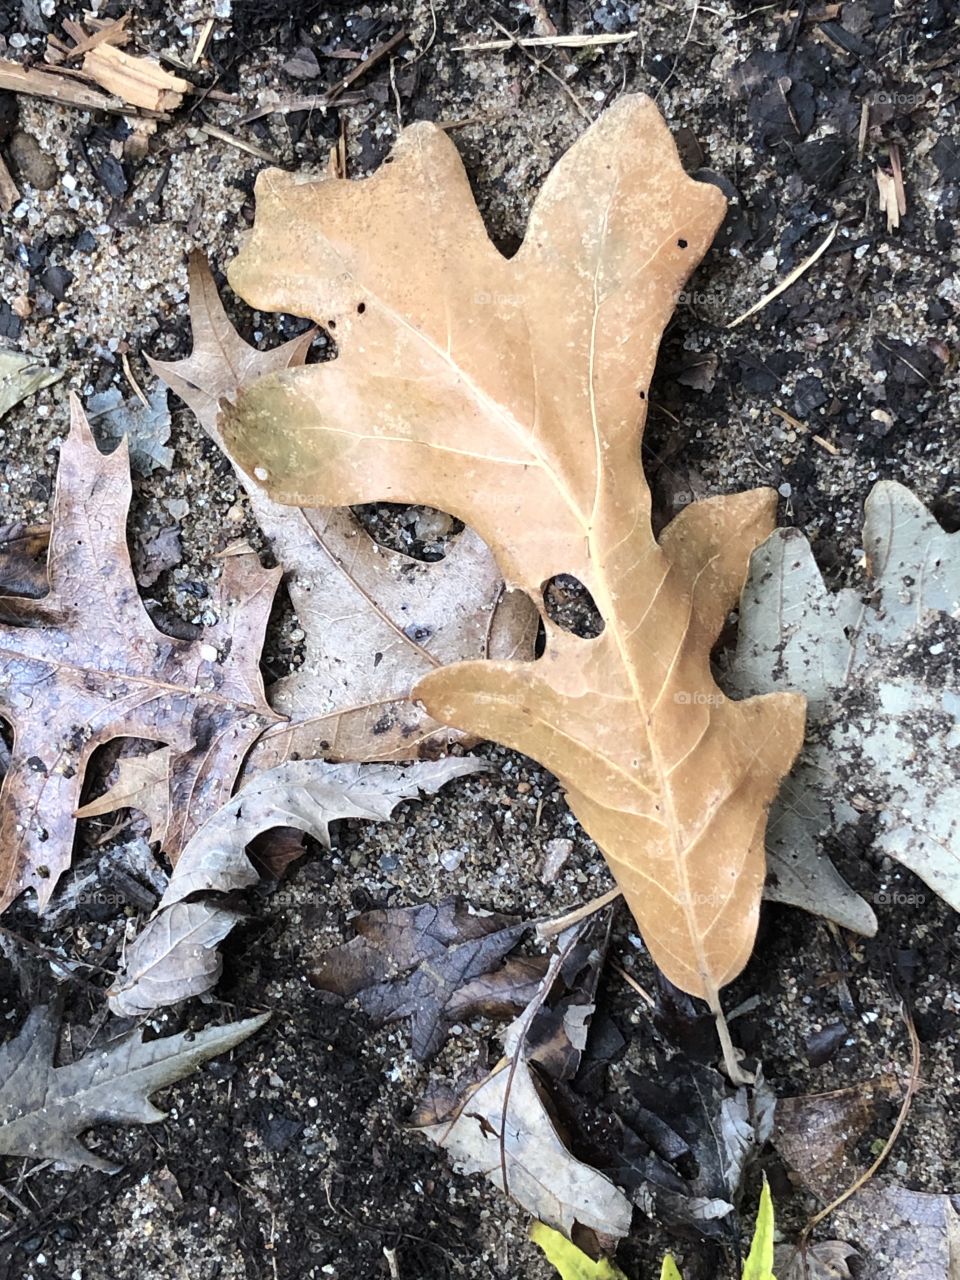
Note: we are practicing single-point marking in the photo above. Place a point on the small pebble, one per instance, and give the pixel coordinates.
(31, 163)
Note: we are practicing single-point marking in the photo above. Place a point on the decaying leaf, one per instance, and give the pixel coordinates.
(174, 958)
(44, 1109)
(503, 1122)
(503, 1127)
(171, 959)
(817, 1134)
(881, 676)
(556, 1036)
(375, 621)
(826, 1260)
(146, 427)
(20, 376)
(683, 1146)
(433, 964)
(84, 664)
(144, 783)
(23, 559)
(512, 393)
(900, 1234)
(572, 1263)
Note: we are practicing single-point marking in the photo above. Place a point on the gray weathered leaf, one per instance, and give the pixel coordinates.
(881, 677)
(306, 795)
(542, 1175)
(44, 1109)
(175, 957)
(20, 376)
(147, 428)
(828, 1260)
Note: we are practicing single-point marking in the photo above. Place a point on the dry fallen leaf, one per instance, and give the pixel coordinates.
(171, 959)
(20, 376)
(512, 393)
(881, 671)
(375, 620)
(900, 1234)
(433, 964)
(174, 958)
(827, 1260)
(44, 1108)
(542, 1175)
(84, 664)
(144, 783)
(818, 1134)
(504, 1125)
(23, 556)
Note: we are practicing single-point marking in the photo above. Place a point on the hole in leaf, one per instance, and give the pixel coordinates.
(419, 532)
(361, 308)
(681, 244)
(570, 605)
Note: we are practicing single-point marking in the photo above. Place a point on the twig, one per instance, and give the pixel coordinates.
(631, 981)
(321, 101)
(233, 141)
(114, 33)
(523, 1024)
(542, 66)
(128, 372)
(550, 928)
(544, 42)
(14, 1200)
(912, 1085)
(828, 445)
(202, 42)
(792, 278)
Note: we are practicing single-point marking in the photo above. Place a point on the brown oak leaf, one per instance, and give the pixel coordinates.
(512, 393)
(84, 664)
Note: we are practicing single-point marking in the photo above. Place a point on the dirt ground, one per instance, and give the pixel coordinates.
(294, 1157)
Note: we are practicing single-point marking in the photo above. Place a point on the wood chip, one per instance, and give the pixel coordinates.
(898, 179)
(139, 81)
(114, 33)
(889, 204)
(864, 126)
(828, 445)
(55, 87)
(9, 193)
(202, 41)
